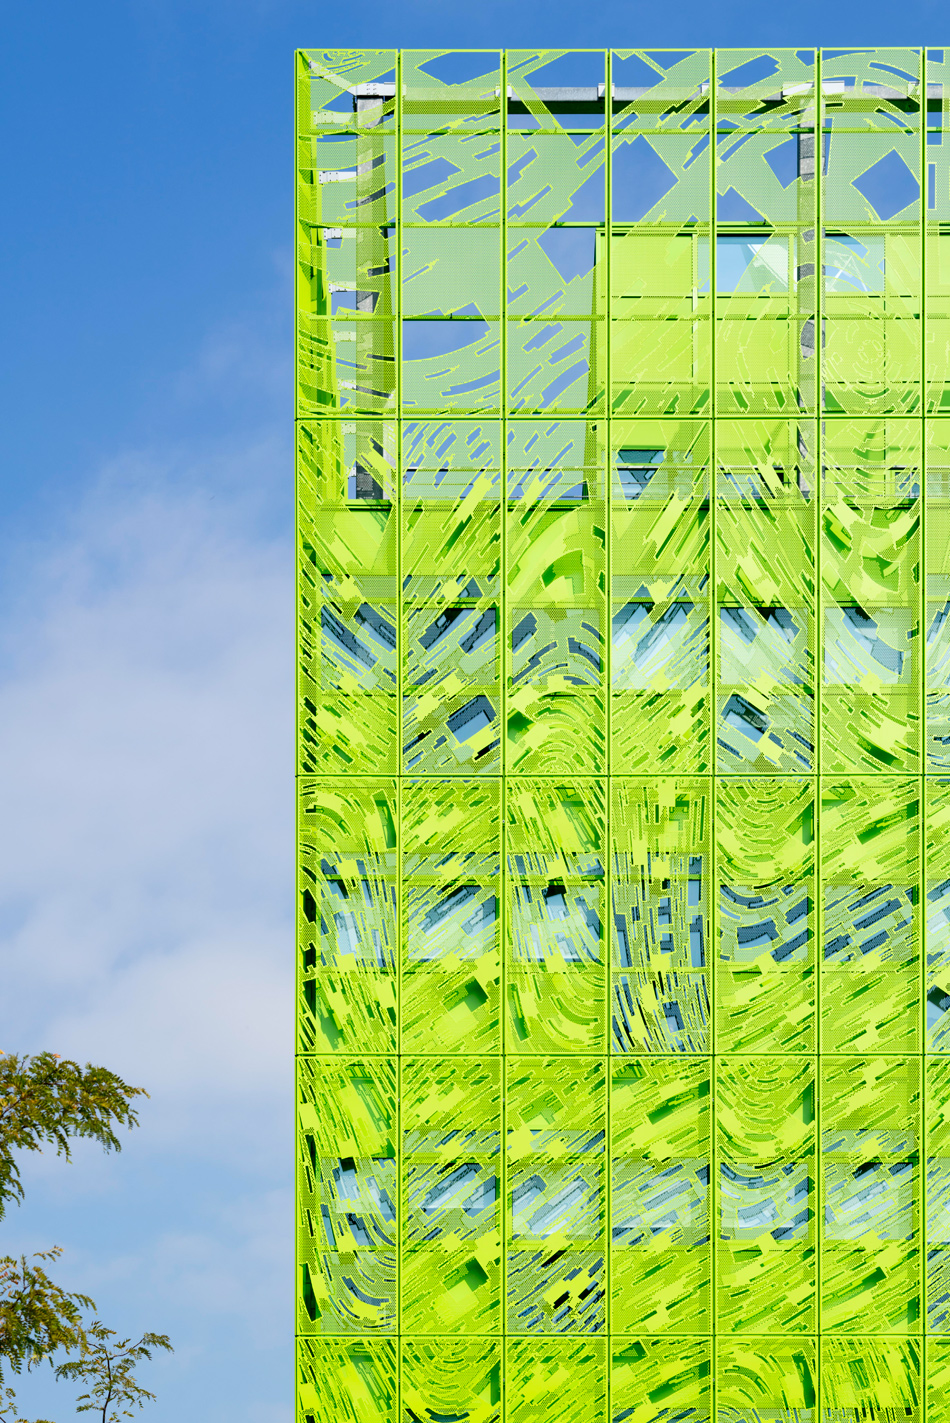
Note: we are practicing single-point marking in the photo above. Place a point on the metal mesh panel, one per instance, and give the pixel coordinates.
(623, 443)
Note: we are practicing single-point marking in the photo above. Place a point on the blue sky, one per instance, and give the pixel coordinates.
(146, 620)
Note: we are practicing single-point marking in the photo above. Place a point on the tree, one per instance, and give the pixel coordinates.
(46, 1101)
(36, 1317)
(109, 1367)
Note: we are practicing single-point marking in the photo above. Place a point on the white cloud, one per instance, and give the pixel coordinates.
(146, 856)
(146, 779)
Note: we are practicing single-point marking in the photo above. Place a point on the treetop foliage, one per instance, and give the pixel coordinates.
(45, 1100)
(106, 1363)
(37, 1317)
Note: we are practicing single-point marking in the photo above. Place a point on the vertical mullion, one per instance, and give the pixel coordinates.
(503, 701)
(713, 698)
(400, 1193)
(818, 495)
(503, 1144)
(922, 706)
(400, 699)
(608, 719)
(298, 1263)
(608, 447)
(503, 414)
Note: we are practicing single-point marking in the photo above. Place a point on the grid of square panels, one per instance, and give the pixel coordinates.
(623, 437)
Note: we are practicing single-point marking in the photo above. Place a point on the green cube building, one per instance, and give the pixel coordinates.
(623, 482)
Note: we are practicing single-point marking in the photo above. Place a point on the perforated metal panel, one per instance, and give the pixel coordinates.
(623, 432)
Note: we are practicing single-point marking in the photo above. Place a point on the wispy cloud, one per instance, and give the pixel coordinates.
(146, 893)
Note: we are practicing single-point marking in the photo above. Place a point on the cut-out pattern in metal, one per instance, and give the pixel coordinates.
(623, 910)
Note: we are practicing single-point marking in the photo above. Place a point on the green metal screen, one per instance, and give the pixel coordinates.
(623, 450)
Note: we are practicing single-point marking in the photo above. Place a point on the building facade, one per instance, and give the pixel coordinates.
(623, 450)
